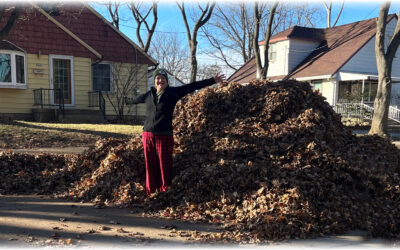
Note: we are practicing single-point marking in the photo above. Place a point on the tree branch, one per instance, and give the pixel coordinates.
(340, 13)
(11, 21)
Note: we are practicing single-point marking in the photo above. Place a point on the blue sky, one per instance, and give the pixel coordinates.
(170, 19)
(358, 10)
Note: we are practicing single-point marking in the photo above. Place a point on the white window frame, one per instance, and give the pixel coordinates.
(71, 58)
(111, 77)
(319, 82)
(13, 84)
(272, 52)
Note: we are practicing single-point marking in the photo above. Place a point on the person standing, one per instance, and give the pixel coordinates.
(157, 135)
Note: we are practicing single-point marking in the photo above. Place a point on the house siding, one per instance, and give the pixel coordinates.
(278, 66)
(142, 85)
(82, 81)
(298, 51)
(20, 101)
(364, 61)
(328, 91)
(289, 54)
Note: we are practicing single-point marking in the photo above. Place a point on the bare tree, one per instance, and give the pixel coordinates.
(141, 17)
(126, 78)
(230, 31)
(205, 14)
(263, 69)
(289, 14)
(207, 71)
(113, 10)
(328, 8)
(384, 62)
(172, 54)
(15, 13)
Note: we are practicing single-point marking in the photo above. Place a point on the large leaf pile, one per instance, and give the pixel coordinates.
(273, 161)
(265, 160)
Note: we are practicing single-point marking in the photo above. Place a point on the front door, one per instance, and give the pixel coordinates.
(61, 79)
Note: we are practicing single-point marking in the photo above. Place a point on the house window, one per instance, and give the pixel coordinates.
(272, 52)
(352, 91)
(12, 68)
(102, 77)
(317, 86)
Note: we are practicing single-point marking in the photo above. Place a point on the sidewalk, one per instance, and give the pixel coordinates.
(67, 150)
(40, 221)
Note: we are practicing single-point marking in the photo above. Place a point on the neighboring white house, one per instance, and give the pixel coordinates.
(340, 62)
(172, 80)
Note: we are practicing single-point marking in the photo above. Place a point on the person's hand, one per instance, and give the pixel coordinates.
(219, 78)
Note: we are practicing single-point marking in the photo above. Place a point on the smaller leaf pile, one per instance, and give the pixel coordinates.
(112, 172)
(40, 174)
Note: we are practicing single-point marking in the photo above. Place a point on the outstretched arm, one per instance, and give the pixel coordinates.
(219, 78)
(189, 88)
(139, 99)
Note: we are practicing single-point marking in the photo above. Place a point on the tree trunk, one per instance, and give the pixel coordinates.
(192, 38)
(262, 69)
(255, 40)
(10, 22)
(143, 19)
(379, 125)
(384, 60)
(193, 62)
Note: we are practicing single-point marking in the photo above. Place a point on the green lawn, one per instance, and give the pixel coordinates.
(23, 134)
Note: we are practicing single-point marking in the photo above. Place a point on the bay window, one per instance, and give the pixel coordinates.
(12, 69)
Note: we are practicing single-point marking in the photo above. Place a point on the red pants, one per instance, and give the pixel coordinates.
(158, 155)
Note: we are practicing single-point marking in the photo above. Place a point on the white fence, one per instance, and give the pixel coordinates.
(364, 111)
(394, 113)
(355, 110)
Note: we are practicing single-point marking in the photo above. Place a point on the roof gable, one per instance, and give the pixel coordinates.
(35, 33)
(340, 45)
(73, 29)
(94, 30)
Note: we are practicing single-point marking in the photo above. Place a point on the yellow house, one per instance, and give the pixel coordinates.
(67, 62)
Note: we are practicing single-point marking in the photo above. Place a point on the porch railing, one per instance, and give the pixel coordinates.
(96, 99)
(394, 113)
(355, 110)
(48, 98)
(364, 111)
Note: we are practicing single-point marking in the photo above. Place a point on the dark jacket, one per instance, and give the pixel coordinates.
(159, 115)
